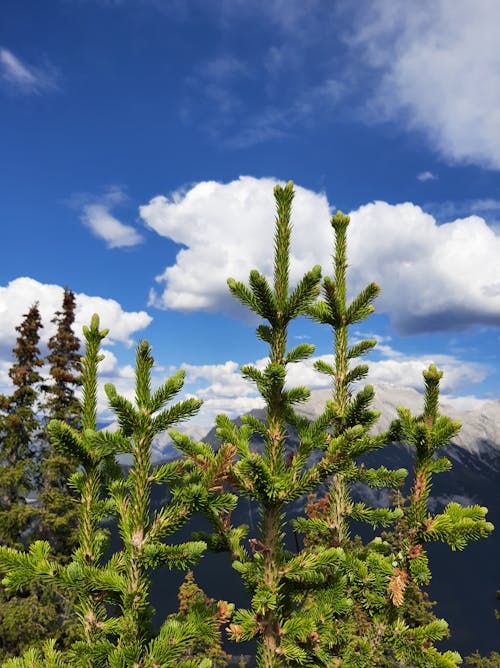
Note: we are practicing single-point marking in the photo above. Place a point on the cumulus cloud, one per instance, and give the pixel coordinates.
(439, 71)
(223, 389)
(433, 277)
(25, 79)
(228, 230)
(17, 297)
(407, 372)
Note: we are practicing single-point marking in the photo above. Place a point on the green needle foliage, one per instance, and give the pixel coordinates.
(456, 526)
(65, 366)
(193, 601)
(291, 629)
(21, 617)
(57, 508)
(19, 430)
(353, 597)
(112, 592)
(383, 581)
(332, 602)
(335, 602)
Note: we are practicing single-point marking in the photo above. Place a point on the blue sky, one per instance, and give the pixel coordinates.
(140, 141)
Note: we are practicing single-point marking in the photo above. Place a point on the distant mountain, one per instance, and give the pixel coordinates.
(464, 583)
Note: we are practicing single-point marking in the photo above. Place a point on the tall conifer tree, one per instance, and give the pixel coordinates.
(19, 431)
(286, 627)
(58, 513)
(389, 620)
(65, 366)
(19, 428)
(31, 616)
(112, 592)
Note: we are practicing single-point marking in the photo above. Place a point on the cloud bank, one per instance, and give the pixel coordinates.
(228, 230)
(223, 389)
(433, 277)
(19, 295)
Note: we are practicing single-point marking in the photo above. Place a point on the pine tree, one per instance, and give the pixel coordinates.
(58, 513)
(112, 592)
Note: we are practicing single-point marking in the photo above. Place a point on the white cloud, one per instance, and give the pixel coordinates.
(467, 402)
(426, 176)
(225, 379)
(20, 294)
(439, 64)
(25, 79)
(407, 372)
(399, 370)
(228, 230)
(433, 277)
(223, 389)
(96, 215)
(117, 235)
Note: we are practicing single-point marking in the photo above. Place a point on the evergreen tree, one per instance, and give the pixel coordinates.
(19, 431)
(22, 618)
(330, 604)
(193, 600)
(58, 512)
(113, 592)
(65, 366)
(390, 621)
(288, 629)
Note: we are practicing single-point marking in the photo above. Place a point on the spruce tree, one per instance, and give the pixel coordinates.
(193, 600)
(112, 591)
(65, 366)
(21, 617)
(333, 603)
(58, 513)
(389, 621)
(286, 626)
(19, 432)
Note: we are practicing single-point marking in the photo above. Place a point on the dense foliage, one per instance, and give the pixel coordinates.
(331, 601)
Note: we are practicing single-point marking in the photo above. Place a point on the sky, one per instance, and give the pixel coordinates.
(140, 141)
